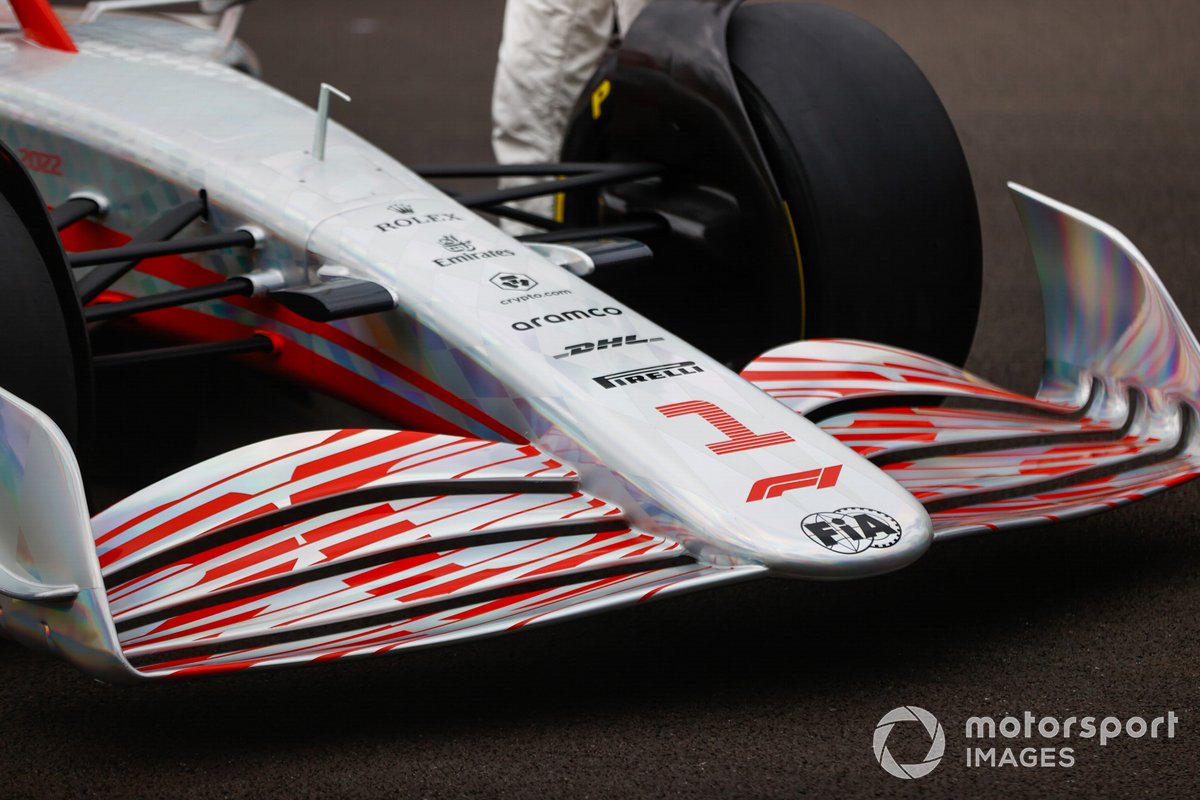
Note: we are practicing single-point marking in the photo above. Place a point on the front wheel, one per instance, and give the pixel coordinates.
(872, 176)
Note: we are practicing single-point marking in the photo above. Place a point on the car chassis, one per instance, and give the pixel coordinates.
(560, 453)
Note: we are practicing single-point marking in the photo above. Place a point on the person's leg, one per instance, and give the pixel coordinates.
(548, 51)
(627, 11)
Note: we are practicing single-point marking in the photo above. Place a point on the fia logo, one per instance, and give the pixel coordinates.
(400, 208)
(513, 281)
(456, 245)
(852, 530)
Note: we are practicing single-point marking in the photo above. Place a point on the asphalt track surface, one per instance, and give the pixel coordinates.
(771, 688)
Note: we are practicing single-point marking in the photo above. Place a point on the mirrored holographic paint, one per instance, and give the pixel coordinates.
(1113, 420)
(347, 543)
(1108, 314)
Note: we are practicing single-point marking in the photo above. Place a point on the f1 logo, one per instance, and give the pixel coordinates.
(740, 437)
(767, 488)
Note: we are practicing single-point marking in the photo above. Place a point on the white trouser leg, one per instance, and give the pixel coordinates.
(627, 11)
(548, 50)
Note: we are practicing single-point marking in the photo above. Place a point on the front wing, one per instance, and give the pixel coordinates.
(346, 543)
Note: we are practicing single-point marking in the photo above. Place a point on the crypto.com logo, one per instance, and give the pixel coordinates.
(936, 748)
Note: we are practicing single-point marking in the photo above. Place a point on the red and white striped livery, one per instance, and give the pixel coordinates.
(508, 485)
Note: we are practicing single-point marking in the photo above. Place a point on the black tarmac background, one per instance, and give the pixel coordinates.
(770, 688)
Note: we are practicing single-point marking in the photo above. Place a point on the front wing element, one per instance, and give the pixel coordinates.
(334, 544)
(361, 542)
(1113, 420)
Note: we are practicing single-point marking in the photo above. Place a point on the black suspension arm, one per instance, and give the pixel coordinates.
(632, 227)
(72, 211)
(182, 297)
(163, 228)
(139, 252)
(521, 215)
(514, 170)
(621, 174)
(251, 344)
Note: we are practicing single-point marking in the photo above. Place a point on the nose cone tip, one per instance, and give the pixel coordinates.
(853, 542)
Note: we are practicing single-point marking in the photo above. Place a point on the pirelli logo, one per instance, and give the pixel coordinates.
(661, 372)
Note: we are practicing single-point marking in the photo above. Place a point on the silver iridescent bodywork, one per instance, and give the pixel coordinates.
(489, 337)
(1114, 419)
(197, 125)
(52, 595)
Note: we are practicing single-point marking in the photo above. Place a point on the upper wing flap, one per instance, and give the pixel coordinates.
(353, 535)
(897, 431)
(269, 484)
(807, 379)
